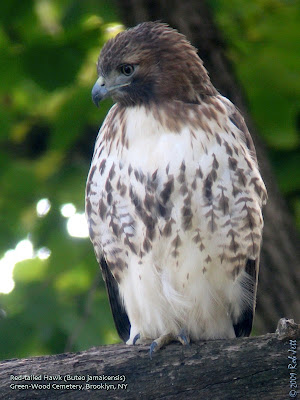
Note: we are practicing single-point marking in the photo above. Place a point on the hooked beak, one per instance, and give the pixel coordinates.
(103, 89)
(99, 91)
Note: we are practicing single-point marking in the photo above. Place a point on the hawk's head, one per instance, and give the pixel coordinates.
(150, 62)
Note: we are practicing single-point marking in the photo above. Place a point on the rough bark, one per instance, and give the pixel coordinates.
(279, 280)
(249, 368)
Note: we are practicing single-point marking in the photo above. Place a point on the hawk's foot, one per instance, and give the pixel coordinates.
(183, 337)
(164, 340)
(136, 338)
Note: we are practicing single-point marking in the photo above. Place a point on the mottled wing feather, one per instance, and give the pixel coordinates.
(238, 120)
(119, 314)
(243, 326)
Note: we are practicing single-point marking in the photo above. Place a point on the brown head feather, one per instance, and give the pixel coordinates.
(168, 65)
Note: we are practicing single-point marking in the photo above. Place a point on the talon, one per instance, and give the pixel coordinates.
(136, 338)
(152, 348)
(183, 338)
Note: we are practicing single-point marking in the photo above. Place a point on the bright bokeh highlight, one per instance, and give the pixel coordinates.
(43, 207)
(77, 226)
(68, 210)
(23, 251)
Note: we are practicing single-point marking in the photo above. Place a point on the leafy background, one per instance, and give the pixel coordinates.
(48, 125)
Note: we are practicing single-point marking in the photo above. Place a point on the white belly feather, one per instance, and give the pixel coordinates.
(186, 274)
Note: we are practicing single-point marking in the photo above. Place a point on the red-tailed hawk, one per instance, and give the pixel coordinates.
(174, 195)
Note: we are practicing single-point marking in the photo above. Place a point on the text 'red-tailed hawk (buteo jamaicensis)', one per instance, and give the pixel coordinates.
(174, 195)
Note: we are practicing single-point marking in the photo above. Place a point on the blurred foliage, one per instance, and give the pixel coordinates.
(48, 125)
(263, 38)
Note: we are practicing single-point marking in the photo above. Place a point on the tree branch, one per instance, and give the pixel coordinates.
(248, 368)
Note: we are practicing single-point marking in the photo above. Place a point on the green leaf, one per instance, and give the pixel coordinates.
(52, 64)
(30, 270)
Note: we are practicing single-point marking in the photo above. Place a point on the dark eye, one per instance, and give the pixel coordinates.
(127, 69)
